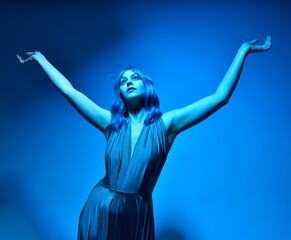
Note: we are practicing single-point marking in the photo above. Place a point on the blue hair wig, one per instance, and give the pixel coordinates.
(119, 109)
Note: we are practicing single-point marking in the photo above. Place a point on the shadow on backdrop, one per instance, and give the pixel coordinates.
(21, 215)
(171, 233)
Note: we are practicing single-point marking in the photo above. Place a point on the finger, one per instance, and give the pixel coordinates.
(268, 41)
(254, 41)
(266, 46)
(28, 60)
(29, 53)
(19, 58)
(269, 45)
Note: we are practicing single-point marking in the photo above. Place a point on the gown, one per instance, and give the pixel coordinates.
(120, 206)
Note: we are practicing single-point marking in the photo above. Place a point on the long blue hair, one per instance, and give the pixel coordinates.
(119, 109)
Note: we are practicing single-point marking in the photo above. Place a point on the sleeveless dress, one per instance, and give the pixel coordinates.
(120, 206)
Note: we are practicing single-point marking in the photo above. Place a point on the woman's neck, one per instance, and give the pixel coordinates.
(138, 116)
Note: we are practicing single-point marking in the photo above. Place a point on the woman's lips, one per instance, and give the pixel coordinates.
(130, 89)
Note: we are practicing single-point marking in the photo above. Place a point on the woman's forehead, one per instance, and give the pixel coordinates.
(128, 73)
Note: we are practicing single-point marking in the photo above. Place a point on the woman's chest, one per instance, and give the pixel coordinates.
(135, 134)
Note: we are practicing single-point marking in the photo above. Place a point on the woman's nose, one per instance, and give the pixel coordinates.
(129, 82)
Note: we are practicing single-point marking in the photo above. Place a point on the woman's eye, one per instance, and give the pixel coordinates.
(135, 77)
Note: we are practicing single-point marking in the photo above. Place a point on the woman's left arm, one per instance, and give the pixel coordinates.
(179, 120)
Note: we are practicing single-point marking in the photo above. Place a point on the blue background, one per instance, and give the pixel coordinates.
(226, 178)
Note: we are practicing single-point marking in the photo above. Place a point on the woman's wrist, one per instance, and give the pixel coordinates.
(244, 49)
(38, 57)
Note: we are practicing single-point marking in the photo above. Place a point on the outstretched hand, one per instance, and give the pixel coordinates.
(252, 47)
(32, 57)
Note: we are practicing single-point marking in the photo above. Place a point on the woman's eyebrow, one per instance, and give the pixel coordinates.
(133, 75)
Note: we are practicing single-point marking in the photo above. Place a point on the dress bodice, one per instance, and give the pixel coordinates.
(139, 173)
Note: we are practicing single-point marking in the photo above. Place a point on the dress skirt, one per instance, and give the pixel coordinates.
(112, 215)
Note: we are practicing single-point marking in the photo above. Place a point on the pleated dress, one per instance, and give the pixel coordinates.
(120, 206)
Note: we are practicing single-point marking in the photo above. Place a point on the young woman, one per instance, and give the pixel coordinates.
(138, 138)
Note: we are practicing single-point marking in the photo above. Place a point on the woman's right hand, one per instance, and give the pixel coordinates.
(33, 57)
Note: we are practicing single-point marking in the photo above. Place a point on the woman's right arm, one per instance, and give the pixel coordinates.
(96, 115)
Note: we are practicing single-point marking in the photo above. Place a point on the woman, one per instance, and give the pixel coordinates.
(139, 138)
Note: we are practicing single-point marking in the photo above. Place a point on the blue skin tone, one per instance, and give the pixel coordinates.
(175, 121)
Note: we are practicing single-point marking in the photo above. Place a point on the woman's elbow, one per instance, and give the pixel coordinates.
(68, 92)
(222, 98)
(225, 101)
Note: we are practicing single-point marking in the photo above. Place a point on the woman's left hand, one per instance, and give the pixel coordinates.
(251, 46)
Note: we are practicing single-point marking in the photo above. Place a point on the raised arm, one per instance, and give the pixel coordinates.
(179, 120)
(96, 115)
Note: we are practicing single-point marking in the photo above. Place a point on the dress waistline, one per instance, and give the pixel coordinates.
(126, 193)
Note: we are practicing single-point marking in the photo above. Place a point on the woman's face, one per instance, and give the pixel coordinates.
(131, 86)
